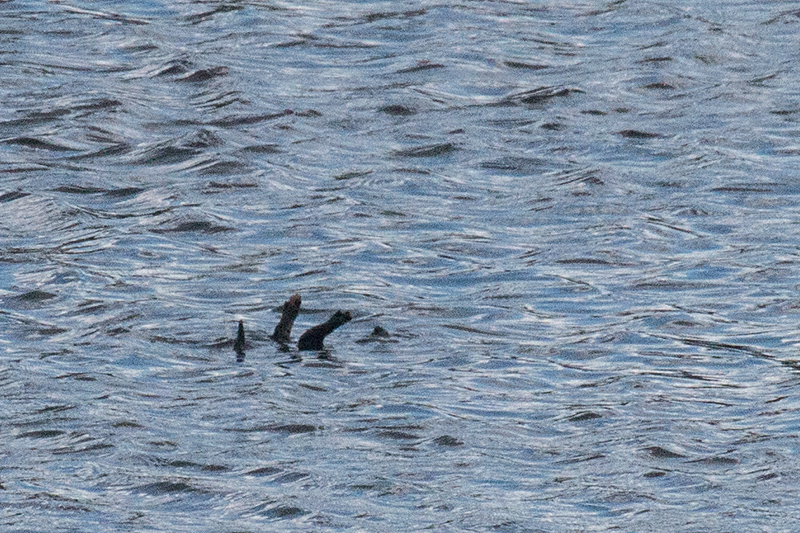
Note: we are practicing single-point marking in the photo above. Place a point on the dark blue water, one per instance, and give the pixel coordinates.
(578, 222)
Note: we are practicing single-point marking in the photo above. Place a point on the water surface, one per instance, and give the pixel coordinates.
(577, 221)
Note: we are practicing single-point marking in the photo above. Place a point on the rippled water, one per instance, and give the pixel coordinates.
(578, 221)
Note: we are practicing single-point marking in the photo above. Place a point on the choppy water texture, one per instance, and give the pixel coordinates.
(578, 221)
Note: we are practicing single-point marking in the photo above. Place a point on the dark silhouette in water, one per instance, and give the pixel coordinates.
(378, 335)
(238, 345)
(312, 339)
(283, 330)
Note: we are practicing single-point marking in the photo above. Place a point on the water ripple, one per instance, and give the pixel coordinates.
(566, 233)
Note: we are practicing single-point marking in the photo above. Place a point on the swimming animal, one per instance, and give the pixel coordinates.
(310, 340)
(283, 330)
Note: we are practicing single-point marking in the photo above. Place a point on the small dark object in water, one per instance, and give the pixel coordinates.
(312, 339)
(283, 330)
(238, 346)
(380, 332)
(378, 335)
